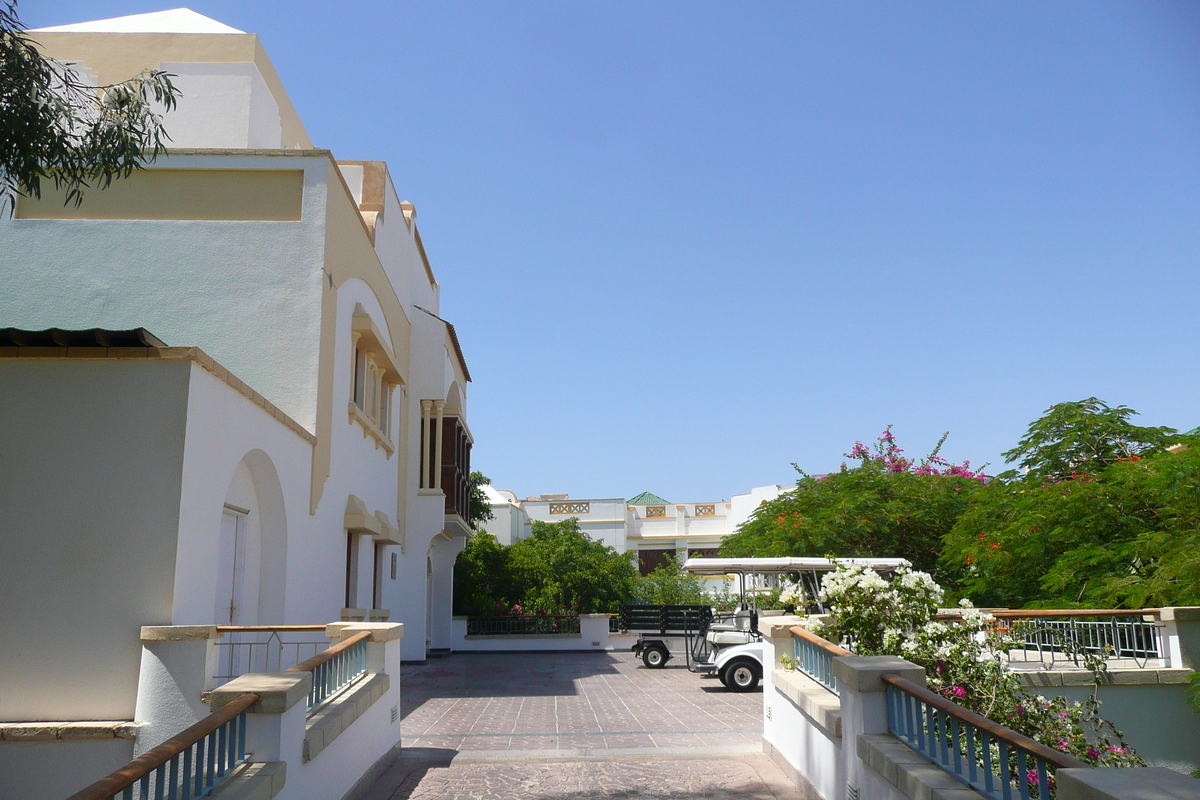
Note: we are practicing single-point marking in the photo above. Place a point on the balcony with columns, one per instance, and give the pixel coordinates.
(446, 463)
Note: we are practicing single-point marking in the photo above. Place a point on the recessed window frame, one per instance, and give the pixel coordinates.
(373, 382)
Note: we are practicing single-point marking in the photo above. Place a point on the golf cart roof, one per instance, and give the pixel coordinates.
(778, 566)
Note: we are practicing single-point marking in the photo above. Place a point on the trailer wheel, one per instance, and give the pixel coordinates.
(741, 676)
(655, 657)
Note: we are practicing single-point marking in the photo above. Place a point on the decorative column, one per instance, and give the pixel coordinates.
(426, 406)
(439, 406)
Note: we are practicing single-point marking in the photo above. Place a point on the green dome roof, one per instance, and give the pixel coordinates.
(648, 499)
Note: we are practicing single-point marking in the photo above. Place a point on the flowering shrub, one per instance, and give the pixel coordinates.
(880, 503)
(963, 660)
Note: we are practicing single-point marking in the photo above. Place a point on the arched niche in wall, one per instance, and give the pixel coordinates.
(454, 399)
(252, 552)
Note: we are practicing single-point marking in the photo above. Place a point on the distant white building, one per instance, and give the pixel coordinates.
(654, 528)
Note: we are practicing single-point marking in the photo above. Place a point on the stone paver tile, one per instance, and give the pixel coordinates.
(676, 740)
(619, 741)
(525, 742)
(580, 741)
(726, 778)
(483, 743)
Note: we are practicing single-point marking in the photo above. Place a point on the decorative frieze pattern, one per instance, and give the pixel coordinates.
(570, 508)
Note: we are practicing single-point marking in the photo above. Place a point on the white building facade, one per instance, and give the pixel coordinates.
(646, 524)
(226, 398)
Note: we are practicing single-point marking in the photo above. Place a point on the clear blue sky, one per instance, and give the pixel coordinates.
(685, 244)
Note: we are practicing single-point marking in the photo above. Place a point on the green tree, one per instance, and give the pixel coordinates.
(1083, 436)
(479, 510)
(670, 585)
(565, 571)
(886, 506)
(54, 126)
(1127, 535)
(484, 585)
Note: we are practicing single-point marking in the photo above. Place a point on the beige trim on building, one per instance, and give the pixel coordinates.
(192, 194)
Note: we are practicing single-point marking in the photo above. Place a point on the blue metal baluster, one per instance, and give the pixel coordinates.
(1043, 780)
(943, 751)
(1022, 774)
(1005, 777)
(988, 776)
(144, 787)
(930, 731)
(187, 773)
(909, 705)
(160, 780)
(972, 764)
(956, 745)
(127, 793)
(210, 748)
(231, 758)
(242, 737)
(222, 734)
(173, 791)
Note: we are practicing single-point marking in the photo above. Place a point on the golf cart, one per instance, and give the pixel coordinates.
(726, 645)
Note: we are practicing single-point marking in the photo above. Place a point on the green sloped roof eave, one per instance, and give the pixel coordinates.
(648, 499)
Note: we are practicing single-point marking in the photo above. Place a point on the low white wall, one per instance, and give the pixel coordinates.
(814, 754)
(593, 635)
(54, 770)
(369, 738)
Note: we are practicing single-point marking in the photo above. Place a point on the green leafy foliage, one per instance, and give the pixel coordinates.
(885, 506)
(564, 570)
(55, 126)
(670, 585)
(1084, 436)
(479, 509)
(559, 569)
(1127, 535)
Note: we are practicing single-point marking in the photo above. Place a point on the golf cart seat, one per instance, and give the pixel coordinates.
(725, 638)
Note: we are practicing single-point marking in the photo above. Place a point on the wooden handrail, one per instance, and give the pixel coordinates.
(824, 644)
(1043, 613)
(264, 628)
(1047, 754)
(151, 760)
(323, 656)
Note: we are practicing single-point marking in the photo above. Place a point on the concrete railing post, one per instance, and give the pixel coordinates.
(1181, 637)
(593, 631)
(864, 710)
(1132, 783)
(383, 648)
(178, 665)
(275, 724)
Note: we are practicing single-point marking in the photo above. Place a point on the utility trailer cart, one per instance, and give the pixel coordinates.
(665, 632)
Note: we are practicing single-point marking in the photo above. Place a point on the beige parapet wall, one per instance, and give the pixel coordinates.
(159, 194)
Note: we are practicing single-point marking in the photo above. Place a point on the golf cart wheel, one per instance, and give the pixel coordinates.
(741, 676)
(654, 657)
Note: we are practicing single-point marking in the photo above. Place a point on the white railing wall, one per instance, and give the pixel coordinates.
(316, 752)
(837, 746)
(594, 635)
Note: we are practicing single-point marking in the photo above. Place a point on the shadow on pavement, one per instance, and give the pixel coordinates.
(501, 675)
(408, 769)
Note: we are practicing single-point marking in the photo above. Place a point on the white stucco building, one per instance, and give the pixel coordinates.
(226, 398)
(646, 524)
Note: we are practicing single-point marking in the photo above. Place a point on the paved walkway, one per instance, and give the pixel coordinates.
(497, 726)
